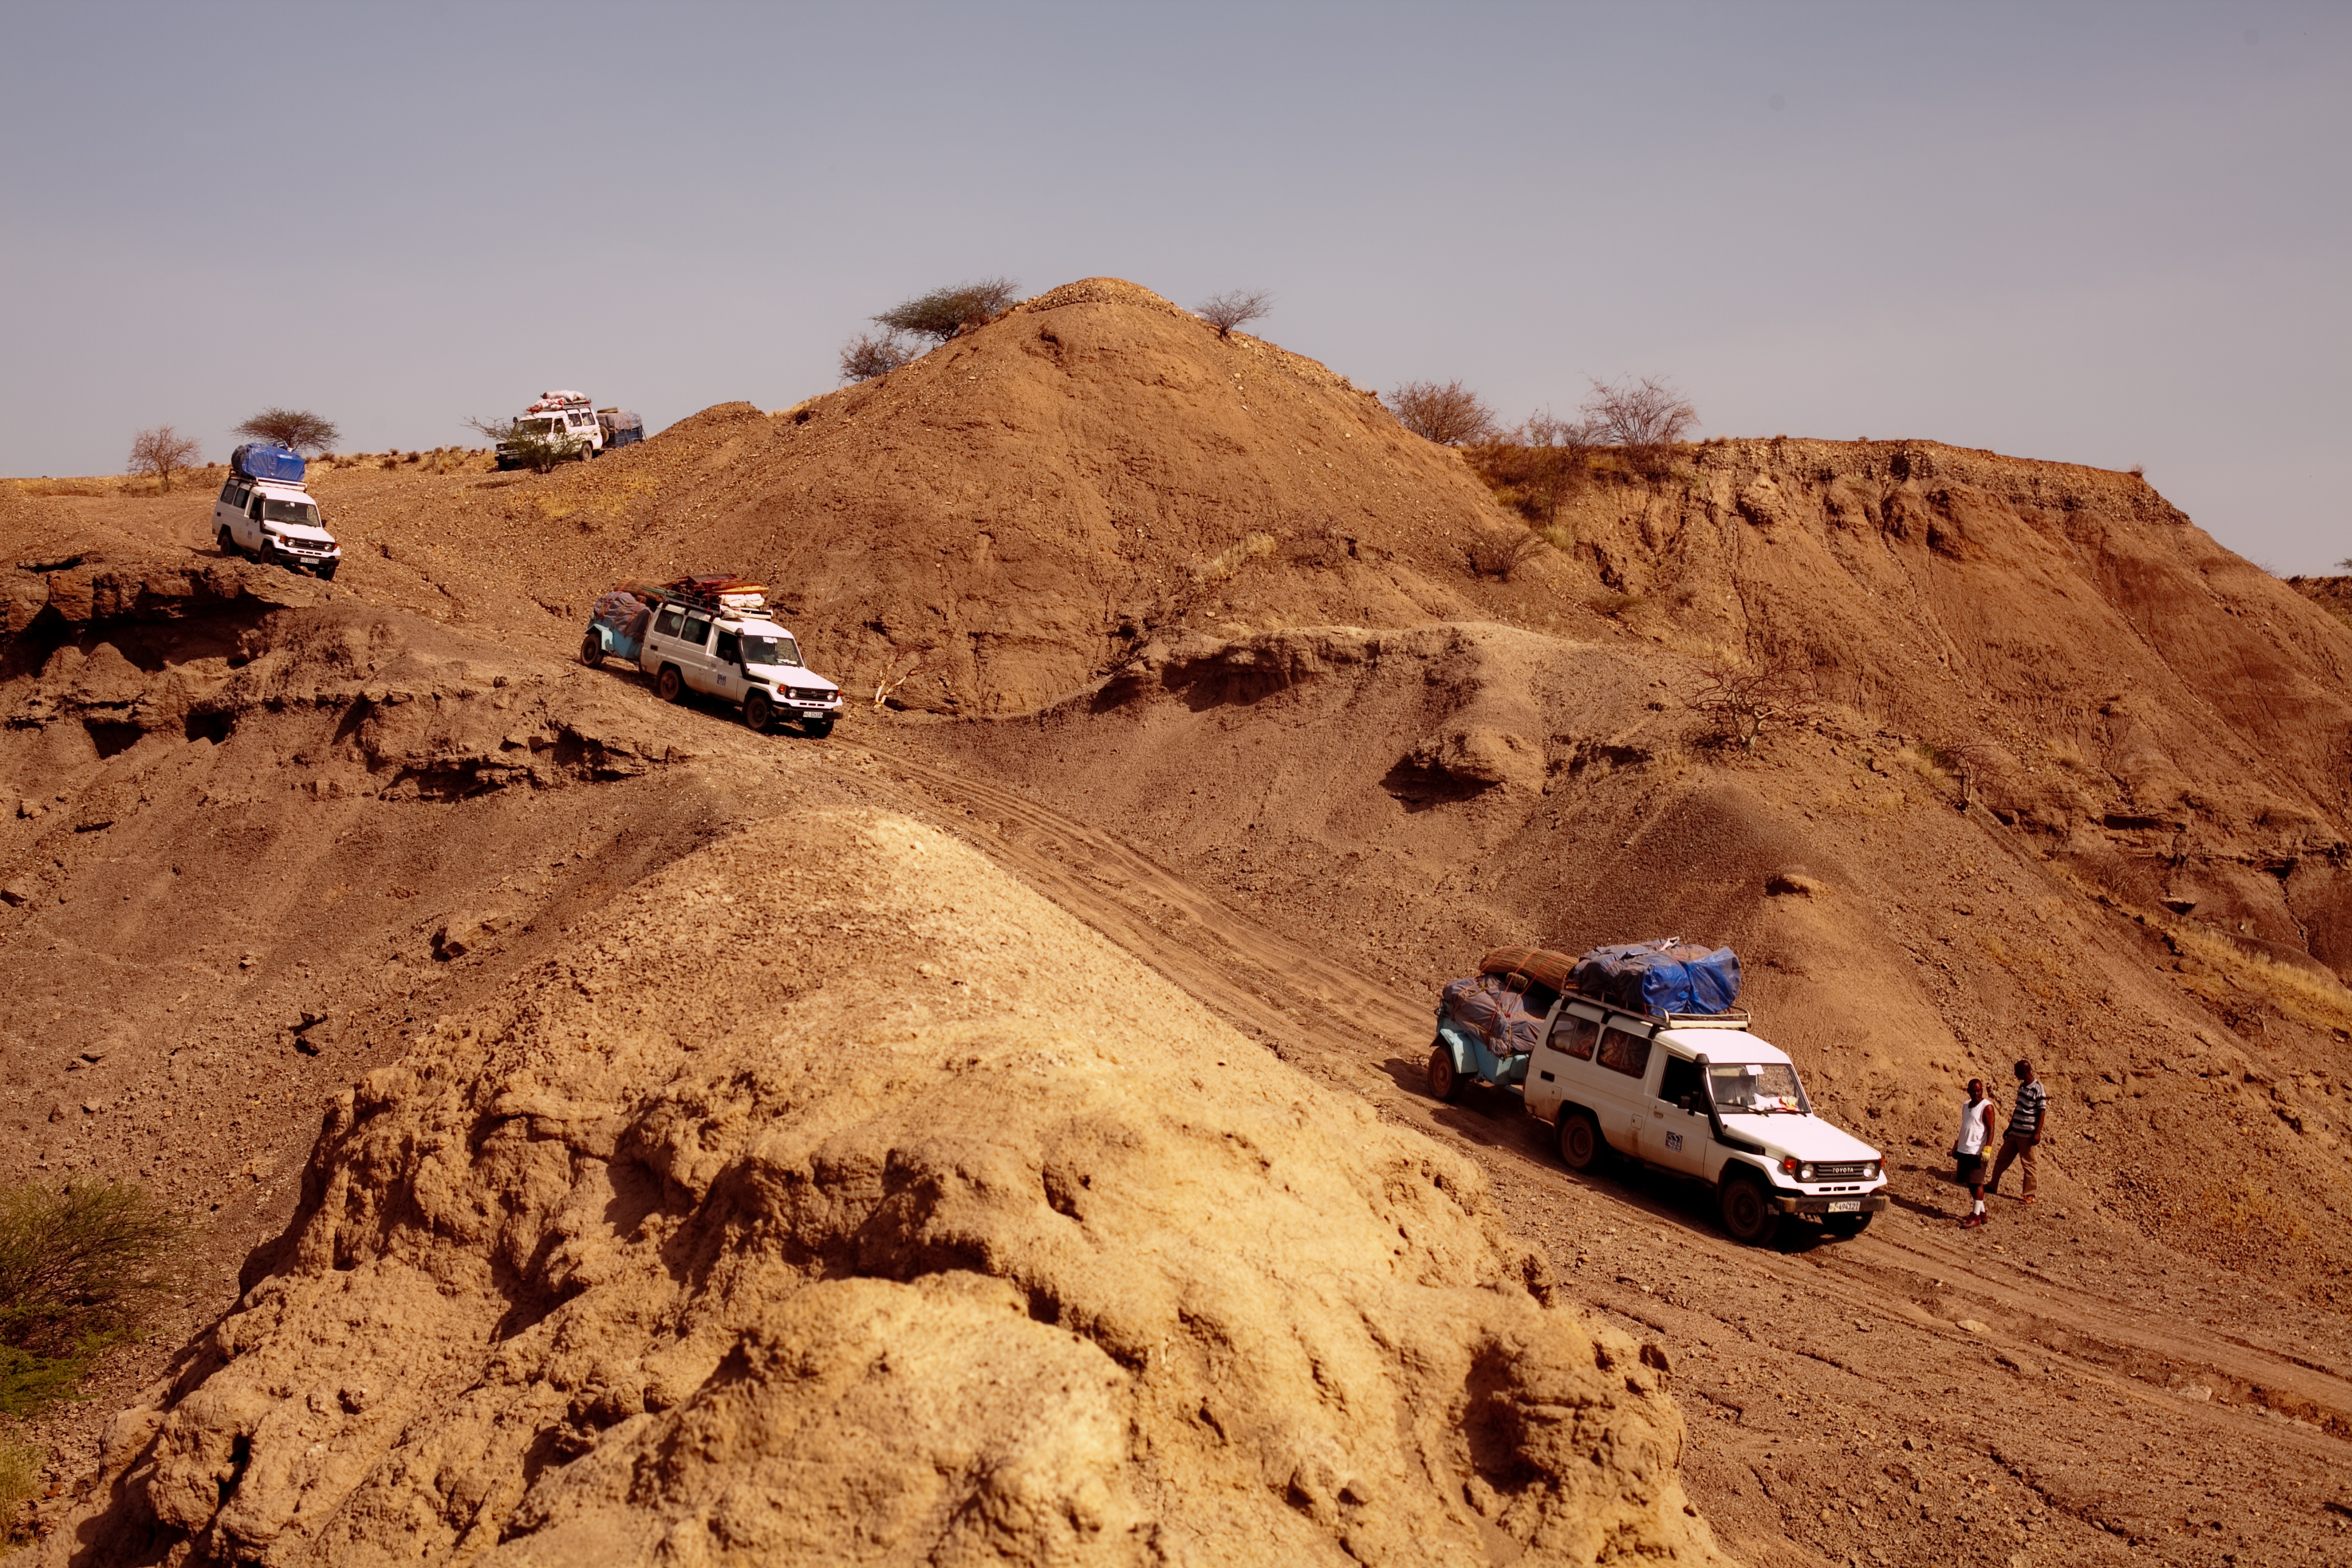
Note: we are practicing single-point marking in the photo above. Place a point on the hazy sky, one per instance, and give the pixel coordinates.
(2109, 234)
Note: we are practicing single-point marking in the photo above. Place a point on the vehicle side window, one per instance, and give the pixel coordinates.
(229, 494)
(729, 650)
(1680, 1079)
(1621, 1052)
(697, 631)
(1575, 1036)
(666, 623)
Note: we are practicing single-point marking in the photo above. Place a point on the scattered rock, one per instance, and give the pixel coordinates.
(1791, 884)
(1973, 1326)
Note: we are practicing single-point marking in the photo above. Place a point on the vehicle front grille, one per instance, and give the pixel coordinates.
(1850, 1171)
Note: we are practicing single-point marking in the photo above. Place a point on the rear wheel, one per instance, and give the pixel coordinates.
(591, 650)
(670, 684)
(759, 711)
(1444, 1079)
(817, 726)
(1747, 1213)
(1581, 1148)
(1845, 1226)
(228, 541)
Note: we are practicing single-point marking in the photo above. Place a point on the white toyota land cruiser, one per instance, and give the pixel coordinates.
(1697, 1095)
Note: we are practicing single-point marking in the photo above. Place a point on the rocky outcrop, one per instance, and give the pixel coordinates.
(840, 1200)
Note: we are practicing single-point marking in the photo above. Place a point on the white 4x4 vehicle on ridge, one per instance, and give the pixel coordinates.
(263, 511)
(1694, 1095)
(712, 634)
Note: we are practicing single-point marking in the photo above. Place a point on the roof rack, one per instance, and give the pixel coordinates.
(1729, 1018)
(719, 592)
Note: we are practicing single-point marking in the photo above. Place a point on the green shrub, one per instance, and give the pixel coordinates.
(945, 313)
(81, 1267)
(20, 1483)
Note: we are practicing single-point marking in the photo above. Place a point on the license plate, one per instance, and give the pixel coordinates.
(1846, 1205)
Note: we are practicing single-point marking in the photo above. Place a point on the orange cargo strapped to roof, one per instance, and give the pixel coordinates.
(1540, 966)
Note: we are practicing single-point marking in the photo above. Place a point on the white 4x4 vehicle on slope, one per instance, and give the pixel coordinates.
(1694, 1095)
(712, 634)
(265, 513)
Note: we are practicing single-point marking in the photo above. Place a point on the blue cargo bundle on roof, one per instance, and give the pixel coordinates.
(1668, 975)
(268, 460)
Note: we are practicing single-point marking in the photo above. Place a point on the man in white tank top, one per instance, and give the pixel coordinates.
(1975, 1136)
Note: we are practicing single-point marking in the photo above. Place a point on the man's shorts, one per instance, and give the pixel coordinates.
(1971, 1169)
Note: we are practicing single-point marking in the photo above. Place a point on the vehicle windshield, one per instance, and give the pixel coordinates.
(300, 511)
(770, 651)
(1755, 1088)
(534, 427)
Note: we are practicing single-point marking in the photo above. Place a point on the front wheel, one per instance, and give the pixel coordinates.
(817, 726)
(759, 711)
(592, 651)
(327, 573)
(670, 684)
(1444, 1078)
(1845, 1226)
(1747, 1213)
(1579, 1140)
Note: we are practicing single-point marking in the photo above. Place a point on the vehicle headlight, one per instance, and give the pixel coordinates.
(1871, 1171)
(1804, 1173)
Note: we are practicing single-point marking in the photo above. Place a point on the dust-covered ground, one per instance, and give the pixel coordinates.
(1159, 641)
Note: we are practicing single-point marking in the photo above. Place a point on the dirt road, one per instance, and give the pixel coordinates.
(2052, 1389)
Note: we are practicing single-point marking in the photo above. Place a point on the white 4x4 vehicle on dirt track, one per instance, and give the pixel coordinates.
(1691, 1095)
(712, 634)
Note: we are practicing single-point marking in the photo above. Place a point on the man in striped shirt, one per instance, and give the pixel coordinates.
(2028, 1120)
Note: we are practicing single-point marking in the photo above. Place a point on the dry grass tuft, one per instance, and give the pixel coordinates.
(80, 1269)
(2299, 993)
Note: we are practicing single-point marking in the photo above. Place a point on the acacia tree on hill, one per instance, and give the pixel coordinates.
(1450, 414)
(1230, 309)
(945, 313)
(1644, 416)
(163, 452)
(869, 354)
(295, 427)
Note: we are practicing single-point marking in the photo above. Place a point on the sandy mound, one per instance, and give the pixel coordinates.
(840, 1200)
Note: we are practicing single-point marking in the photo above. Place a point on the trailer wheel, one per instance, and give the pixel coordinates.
(670, 684)
(1747, 1213)
(1444, 1079)
(592, 651)
(760, 711)
(1580, 1146)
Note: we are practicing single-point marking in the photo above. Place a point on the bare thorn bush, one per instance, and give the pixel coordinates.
(1640, 416)
(1450, 414)
(1739, 705)
(945, 313)
(295, 427)
(1225, 312)
(1498, 552)
(1536, 467)
(869, 354)
(162, 452)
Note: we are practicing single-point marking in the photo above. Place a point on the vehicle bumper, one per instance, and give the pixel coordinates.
(314, 563)
(1806, 1203)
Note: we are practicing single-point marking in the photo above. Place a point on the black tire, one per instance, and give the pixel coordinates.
(817, 726)
(228, 541)
(1747, 1213)
(592, 651)
(1446, 1080)
(1581, 1147)
(669, 684)
(327, 573)
(1845, 1226)
(760, 711)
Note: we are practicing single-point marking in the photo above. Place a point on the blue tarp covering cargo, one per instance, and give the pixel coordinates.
(1658, 977)
(623, 428)
(266, 460)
